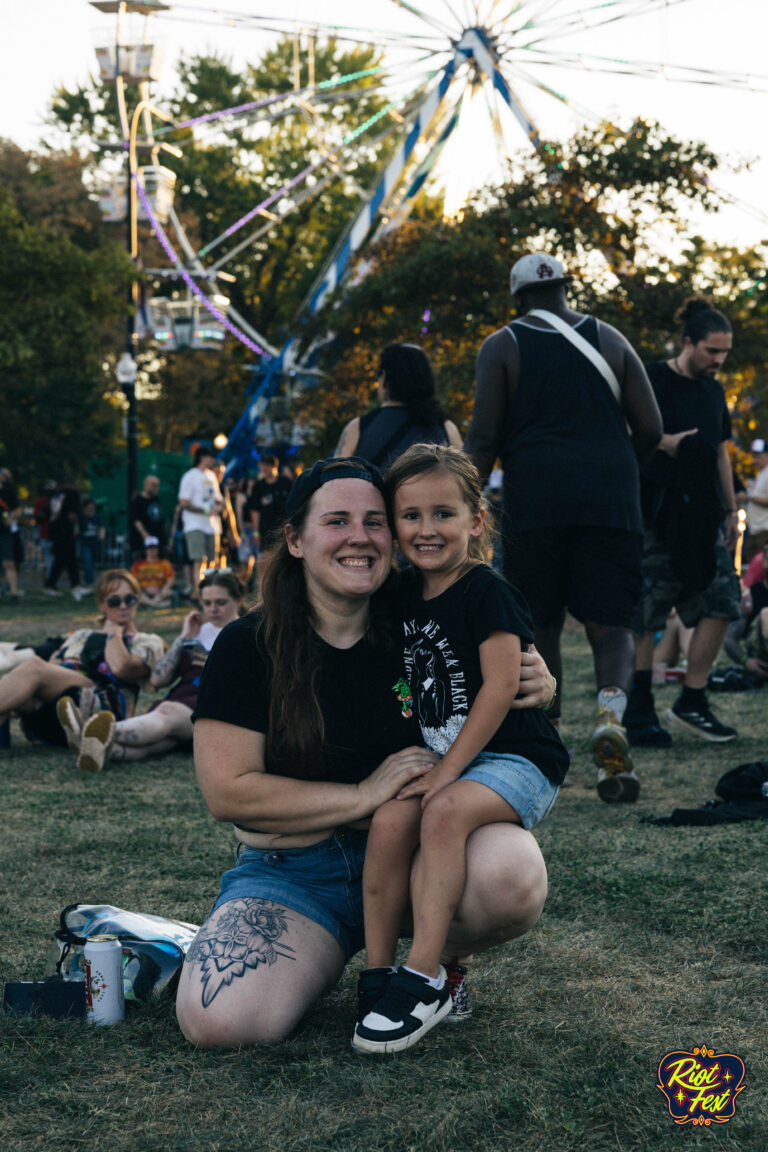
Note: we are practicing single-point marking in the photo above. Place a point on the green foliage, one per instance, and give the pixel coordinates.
(614, 205)
(226, 169)
(63, 288)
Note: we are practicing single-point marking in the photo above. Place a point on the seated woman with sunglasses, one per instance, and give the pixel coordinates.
(168, 723)
(102, 668)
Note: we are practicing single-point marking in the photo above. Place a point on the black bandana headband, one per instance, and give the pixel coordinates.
(339, 468)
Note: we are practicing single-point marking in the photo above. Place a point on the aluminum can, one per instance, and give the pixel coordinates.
(104, 995)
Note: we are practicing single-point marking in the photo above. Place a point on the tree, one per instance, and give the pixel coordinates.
(62, 291)
(228, 168)
(613, 204)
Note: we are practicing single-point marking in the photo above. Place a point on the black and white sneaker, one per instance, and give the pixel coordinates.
(700, 721)
(371, 986)
(406, 1012)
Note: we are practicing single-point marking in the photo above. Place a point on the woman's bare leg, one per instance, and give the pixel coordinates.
(170, 720)
(505, 889)
(123, 754)
(252, 972)
(33, 683)
(392, 840)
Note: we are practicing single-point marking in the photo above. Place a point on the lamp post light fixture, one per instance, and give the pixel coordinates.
(127, 371)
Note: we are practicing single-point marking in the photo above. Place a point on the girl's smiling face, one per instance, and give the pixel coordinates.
(434, 526)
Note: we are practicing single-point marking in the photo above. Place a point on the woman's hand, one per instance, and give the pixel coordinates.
(537, 685)
(193, 622)
(394, 774)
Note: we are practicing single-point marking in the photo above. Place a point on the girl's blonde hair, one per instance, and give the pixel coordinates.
(420, 460)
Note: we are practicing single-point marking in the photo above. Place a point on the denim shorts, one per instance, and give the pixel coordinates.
(322, 882)
(517, 781)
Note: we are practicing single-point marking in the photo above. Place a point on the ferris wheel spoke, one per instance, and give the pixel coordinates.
(301, 176)
(578, 20)
(351, 34)
(432, 21)
(459, 20)
(296, 199)
(575, 106)
(675, 73)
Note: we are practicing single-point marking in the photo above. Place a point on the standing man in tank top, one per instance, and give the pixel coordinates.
(570, 428)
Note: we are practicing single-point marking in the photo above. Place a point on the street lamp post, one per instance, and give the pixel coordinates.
(126, 377)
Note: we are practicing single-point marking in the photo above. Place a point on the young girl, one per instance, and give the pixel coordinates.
(464, 630)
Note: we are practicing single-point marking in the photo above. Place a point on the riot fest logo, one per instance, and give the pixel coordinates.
(701, 1086)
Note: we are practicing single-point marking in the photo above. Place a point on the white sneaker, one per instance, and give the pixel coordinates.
(96, 742)
(71, 721)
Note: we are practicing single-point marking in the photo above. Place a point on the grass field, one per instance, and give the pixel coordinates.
(652, 939)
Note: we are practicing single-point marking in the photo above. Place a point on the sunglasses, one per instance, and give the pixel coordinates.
(116, 601)
(214, 571)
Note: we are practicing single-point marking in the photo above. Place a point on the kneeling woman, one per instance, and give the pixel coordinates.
(301, 733)
(168, 723)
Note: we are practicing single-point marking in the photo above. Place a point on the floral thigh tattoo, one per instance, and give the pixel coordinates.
(245, 936)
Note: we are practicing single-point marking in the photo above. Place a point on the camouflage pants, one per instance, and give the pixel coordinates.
(663, 591)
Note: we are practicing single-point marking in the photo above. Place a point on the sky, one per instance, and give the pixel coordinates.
(49, 43)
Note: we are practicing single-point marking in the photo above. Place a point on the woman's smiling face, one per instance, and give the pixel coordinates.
(345, 542)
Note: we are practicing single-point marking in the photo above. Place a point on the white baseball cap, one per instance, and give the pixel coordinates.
(536, 271)
(758, 446)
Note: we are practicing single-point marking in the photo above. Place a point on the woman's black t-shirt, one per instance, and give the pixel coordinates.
(358, 692)
(442, 661)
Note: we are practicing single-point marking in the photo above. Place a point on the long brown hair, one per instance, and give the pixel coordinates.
(295, 740)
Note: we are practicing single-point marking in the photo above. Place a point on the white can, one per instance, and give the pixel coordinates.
(104, 996)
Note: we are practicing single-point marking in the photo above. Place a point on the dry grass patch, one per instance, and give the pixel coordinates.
(653, 938)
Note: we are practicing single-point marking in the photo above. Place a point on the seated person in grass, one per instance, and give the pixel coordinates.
(299, 738)
(100, 668)
(465, 628)
(155, 575)
(746, 641)
(168, 723)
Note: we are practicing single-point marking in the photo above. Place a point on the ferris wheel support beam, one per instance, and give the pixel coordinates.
(360, 227)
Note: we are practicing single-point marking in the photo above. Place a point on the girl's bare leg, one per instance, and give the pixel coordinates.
(392, 841)
(440, 872)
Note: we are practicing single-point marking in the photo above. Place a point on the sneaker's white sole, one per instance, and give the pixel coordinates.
(672, 718)
(96, 743)
(380, 1047)
(66, 711)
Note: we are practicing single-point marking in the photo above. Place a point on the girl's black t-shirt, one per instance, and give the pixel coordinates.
(364, 719)
(442, 664)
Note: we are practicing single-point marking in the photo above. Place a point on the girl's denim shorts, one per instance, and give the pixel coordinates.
(322, 882)
(517, 781)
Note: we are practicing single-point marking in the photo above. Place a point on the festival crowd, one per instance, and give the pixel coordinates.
(385, 728)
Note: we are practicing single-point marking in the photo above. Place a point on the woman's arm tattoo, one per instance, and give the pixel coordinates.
(165, 668)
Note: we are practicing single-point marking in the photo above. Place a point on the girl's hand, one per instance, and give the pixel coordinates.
(427, 786)
(193, 622)
(537, 686)
(391, 776)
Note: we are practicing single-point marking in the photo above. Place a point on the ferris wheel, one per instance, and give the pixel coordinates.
(449, 54)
